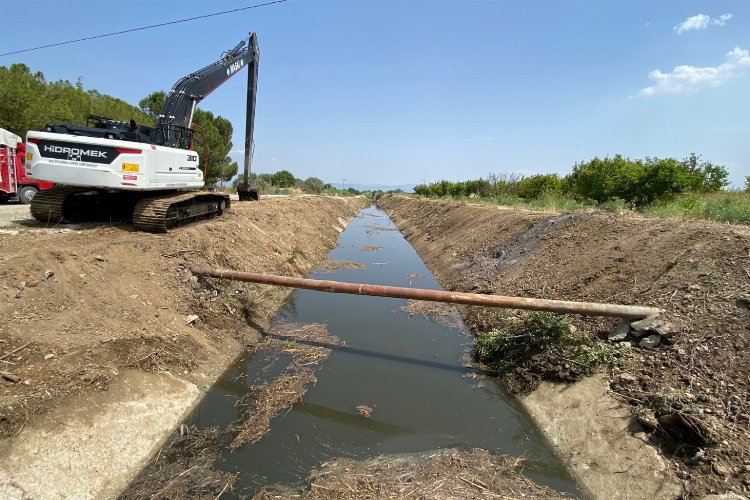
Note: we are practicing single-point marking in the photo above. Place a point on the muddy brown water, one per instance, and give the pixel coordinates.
(412, 371)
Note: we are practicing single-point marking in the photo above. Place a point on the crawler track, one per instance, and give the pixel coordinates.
(149, 213)
(157, 214)
(49, 206)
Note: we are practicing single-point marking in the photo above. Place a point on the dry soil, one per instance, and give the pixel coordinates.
(690, 396)
(82, 304)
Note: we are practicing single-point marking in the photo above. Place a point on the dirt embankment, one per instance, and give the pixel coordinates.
(81, 306)
(699, 272)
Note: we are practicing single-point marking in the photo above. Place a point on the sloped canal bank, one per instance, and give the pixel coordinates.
(392, 385)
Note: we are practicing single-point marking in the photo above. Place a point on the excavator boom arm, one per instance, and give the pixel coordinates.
(179, 106)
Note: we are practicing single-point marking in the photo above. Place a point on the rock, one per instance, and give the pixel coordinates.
(720, 469)
(619, 333)
(646, 418)
(189, 320)
(653, 324)
(650, 342)
(49, 356)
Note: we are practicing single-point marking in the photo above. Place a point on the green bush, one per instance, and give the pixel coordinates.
(538, 185)
(602, 179)
(523, 335)
(283, 179)
(642, 182)
(313, 185)
(479, 187)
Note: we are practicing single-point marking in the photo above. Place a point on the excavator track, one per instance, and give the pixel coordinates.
(53, 206)
(160, 213)
(155, 214)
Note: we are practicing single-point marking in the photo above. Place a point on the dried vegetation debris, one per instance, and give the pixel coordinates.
(365, 411)
(185, 468)
(374, 228)
(21, 399)
(441, 474)
(263, 402)
(331, 266)
(697, 377)
(308, 344)
(158, 354)
(439, 312)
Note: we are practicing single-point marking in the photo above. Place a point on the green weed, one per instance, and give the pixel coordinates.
(724, 206)
(524, 335)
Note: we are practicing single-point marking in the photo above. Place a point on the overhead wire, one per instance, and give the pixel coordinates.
(144, 27)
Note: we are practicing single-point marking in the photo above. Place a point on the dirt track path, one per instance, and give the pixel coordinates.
(11, 214)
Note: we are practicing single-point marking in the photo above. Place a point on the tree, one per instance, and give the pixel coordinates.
(213, 137)
(20, 92)
(153, 103)
(603, 179)
(747, 184)
(538, 185)
(283, 178)
(705, 175)
(29, 102)
(313, 185)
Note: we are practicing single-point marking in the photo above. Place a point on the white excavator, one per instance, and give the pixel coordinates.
(111, 169)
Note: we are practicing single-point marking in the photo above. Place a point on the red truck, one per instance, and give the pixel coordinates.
(14, 185)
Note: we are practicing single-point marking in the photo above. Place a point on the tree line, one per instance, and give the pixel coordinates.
(638, 182)
(29, 102)
(284, 181)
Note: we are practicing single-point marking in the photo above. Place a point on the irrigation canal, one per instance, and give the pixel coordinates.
(410, 370)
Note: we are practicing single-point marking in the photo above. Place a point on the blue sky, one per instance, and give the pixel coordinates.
(396, 92)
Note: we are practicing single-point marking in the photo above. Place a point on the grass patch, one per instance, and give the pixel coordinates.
(558, 203)
(523, 338)
(618, 205)
(724, 206)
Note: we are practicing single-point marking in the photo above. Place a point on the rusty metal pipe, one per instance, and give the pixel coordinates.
(473, 299)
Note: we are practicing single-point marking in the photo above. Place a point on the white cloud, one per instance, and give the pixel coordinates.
(701, 22)
(688, 78)
(722, 20)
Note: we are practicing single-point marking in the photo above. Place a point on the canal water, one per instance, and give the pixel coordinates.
(410, 370)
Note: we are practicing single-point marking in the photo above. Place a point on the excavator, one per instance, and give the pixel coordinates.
(112, 169)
